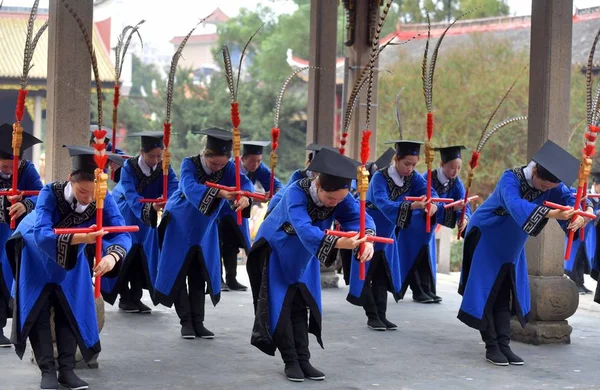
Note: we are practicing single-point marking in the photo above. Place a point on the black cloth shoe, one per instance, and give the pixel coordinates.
(422, 298)
(376, 324)
(234, 285)
(187, 332)
(512, 358)
(143, 308)
(494, 356)
(310, 372)
(4, 341)
(587, 290)
(389, 325)
(436, 299)
(71, 381)
(224, 287)
(581, 290)
(49, 381)
(128, 307)
(293, 372)
(202, 332)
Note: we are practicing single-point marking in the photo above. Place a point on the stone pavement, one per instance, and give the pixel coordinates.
(430, 350)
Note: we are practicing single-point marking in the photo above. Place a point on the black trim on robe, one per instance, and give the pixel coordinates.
(29, 206)
(422, 259)
(327, 252)
(377, 256)
(149, 215)
(66, 254)
(536, 221)
(506, 271)
(257, 266)
(404, 215)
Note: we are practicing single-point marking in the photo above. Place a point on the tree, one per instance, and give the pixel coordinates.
(412, 11)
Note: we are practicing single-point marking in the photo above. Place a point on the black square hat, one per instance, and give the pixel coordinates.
(596, 176)
(339, 170)
(385, 159)
(316, 148)
(449, 153)
(403, 147)
(254, 147)
(106, 137)
(560, 163)
(83, 158)
(150, 139)
(6, 151)
(217, 140)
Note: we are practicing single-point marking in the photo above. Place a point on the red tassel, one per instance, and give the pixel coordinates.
(101, 160)
(99, 147)
(20, 110)
(117, 96)
(474, 159)
(589, 150)
(591, 137)
(594, 129)
(167, 134)
(342, 151)
(429, 125)
(275, 138)
(365, 147)
(100, 133)
(235, 115)
(343, 142)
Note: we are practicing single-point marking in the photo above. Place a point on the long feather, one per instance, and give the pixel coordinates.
(398, 116)
(28, 38)
(588, 80)
(173, 69)
(123, 44)
(373, 58)
(596, 106)
(485, 138)
(434, 56)
(32, 46)
(228, 72)
(360, 82)
(425, 64)
(237, 83)
(92, 54)
(501, 101)
(282, 92)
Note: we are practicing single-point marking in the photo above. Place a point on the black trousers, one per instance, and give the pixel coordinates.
(4, 310)
(40, 337)
(131, 291)
(375, 290)
(498, 331)
(420, 278)
(579, 267)
(229, 254)
(346, 256)
(189, 303)
(293, 341)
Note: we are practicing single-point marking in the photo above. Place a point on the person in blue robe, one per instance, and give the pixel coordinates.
(446, 183)
(582, 255)
(284, 262)
(28, 179)
(55, 271)
(190, 233)
(142, 177)
(494, 282)
(595, 271)
(232, 236)
(372, 167)
(298, 174)
(387, 206)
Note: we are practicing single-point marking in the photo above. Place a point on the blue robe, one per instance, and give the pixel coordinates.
(389, 211)
(290, 246)
(413, 241)
(239, 236)
(189, 230)
(133, 186)
(28, 179)
(454, 189)
(44, 262)
(494, 247)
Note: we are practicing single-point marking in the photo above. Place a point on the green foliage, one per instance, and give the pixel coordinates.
(445, 10)
(456, 255)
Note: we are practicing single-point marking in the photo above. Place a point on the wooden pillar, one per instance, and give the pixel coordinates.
(321, 84)
(37, 129)
(69, 87)
(554, 297)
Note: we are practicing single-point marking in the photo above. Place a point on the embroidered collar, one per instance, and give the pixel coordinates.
(394, 189)
(528, 192)
(68, 217)
(440, 182)
(143, 180)
(315, 212)
(395, 176)
(201, 171)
